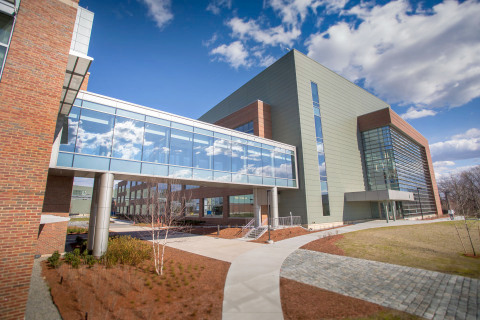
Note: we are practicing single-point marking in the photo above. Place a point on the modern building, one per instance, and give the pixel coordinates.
(297, 138)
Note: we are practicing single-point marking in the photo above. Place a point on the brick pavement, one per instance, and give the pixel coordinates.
(429, 294)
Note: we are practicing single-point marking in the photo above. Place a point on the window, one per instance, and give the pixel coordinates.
(192, 208)
(6, 27)
(241, 206)
(213, 207)
(247, 127)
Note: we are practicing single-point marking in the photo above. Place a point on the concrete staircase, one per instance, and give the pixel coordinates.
(255, 233)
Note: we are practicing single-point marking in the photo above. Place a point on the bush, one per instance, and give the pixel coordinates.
(54, 260)
(126, 250)
(73, 258)
(76, 230)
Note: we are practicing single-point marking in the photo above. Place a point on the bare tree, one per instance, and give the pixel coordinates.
(162, 209)
(462, 191)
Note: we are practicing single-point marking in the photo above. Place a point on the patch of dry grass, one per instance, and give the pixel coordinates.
(432, 246)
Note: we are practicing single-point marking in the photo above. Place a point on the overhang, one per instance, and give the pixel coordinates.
(50, 218)
(379, 195)
(77, 68)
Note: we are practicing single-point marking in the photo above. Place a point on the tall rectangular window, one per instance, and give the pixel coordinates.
(320, 149)
(6, 27)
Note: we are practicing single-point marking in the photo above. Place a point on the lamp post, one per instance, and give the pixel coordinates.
(419, 201)
(269, 216)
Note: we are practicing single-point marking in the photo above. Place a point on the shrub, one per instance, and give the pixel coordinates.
(89, 260)
(73, 258)
(126, 250)
(76, 230)
(54, 260)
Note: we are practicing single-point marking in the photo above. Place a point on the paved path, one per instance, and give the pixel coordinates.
(221, 249)
(428, 294)
(252, 287)
(40, 305)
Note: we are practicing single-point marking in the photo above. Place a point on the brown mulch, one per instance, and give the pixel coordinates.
(326, 245)
(302, 301)
(282, 234)
(191, 287)
(227, 233)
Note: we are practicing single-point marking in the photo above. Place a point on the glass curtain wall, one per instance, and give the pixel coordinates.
(247, 127)
(101, 137)
(241, 206)
(395, 162)
(320, 150)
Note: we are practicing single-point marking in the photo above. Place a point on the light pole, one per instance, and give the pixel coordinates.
(268, 215)
(419, 201)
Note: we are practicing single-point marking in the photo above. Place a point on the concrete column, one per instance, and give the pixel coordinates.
(394, 211)
(385, 205)
(257, 209)
(93, 214)
(274, 207)
(102, 223)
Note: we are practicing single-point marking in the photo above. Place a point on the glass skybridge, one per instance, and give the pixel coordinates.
(108, 135)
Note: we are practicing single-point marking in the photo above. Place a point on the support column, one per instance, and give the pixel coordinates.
(257, 209)
(102, 223)
(385, 205)
(394, 211)
(274, 207)
(93, 214)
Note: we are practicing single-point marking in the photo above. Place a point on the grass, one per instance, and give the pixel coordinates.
(79, 219)
(76, 230)
(433, 246)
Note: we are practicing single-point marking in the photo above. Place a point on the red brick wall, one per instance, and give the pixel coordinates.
(258, 112)
(30, 91)
(58, 194)
(387, 116)
(84, 85)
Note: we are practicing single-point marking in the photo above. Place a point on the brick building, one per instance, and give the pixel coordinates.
(36, 49)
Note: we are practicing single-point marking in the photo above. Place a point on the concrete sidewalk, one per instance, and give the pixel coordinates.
(252, 287)
(217, 248)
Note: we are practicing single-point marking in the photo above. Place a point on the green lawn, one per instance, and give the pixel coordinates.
(79, 219)
(433, 246)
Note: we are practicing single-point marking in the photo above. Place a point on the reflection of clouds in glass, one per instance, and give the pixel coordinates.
(319, 147)
(322, 168)
(180, 173)
(128, 139)
(220, 147)
(93, 143)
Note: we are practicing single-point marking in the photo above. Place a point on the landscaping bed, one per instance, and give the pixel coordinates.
(302, 301)
(191, 287)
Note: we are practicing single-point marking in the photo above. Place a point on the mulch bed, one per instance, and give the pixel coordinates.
(227, 233)
(326, 244)
(191, 287)
(302, 301)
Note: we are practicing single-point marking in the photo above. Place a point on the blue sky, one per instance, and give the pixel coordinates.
(422, 57)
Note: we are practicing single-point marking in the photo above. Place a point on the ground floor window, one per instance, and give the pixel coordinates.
(241, 206)
(192, 208)
(213, 207)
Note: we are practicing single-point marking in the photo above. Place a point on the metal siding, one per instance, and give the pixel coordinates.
(340, 103)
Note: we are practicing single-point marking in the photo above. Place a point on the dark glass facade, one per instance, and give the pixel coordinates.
(246, 127)
(394, 161)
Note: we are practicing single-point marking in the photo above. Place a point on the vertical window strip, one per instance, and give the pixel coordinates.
(320, 149)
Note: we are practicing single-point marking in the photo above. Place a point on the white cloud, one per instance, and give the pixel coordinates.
(427, 58)
(234, 54)
(210, 41)
(250, 29)
(216, 5)
(160, 11)
(413, 113)
(460, 146)
(445, 171)
(443, 163)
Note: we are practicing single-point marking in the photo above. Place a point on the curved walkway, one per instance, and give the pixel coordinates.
(252, 287)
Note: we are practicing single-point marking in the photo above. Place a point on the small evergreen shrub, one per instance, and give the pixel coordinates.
(54, 260)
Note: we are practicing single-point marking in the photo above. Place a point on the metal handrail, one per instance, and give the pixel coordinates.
(247, 227)
(289, 221)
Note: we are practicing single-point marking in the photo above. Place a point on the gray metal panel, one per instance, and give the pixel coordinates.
(341, 102)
